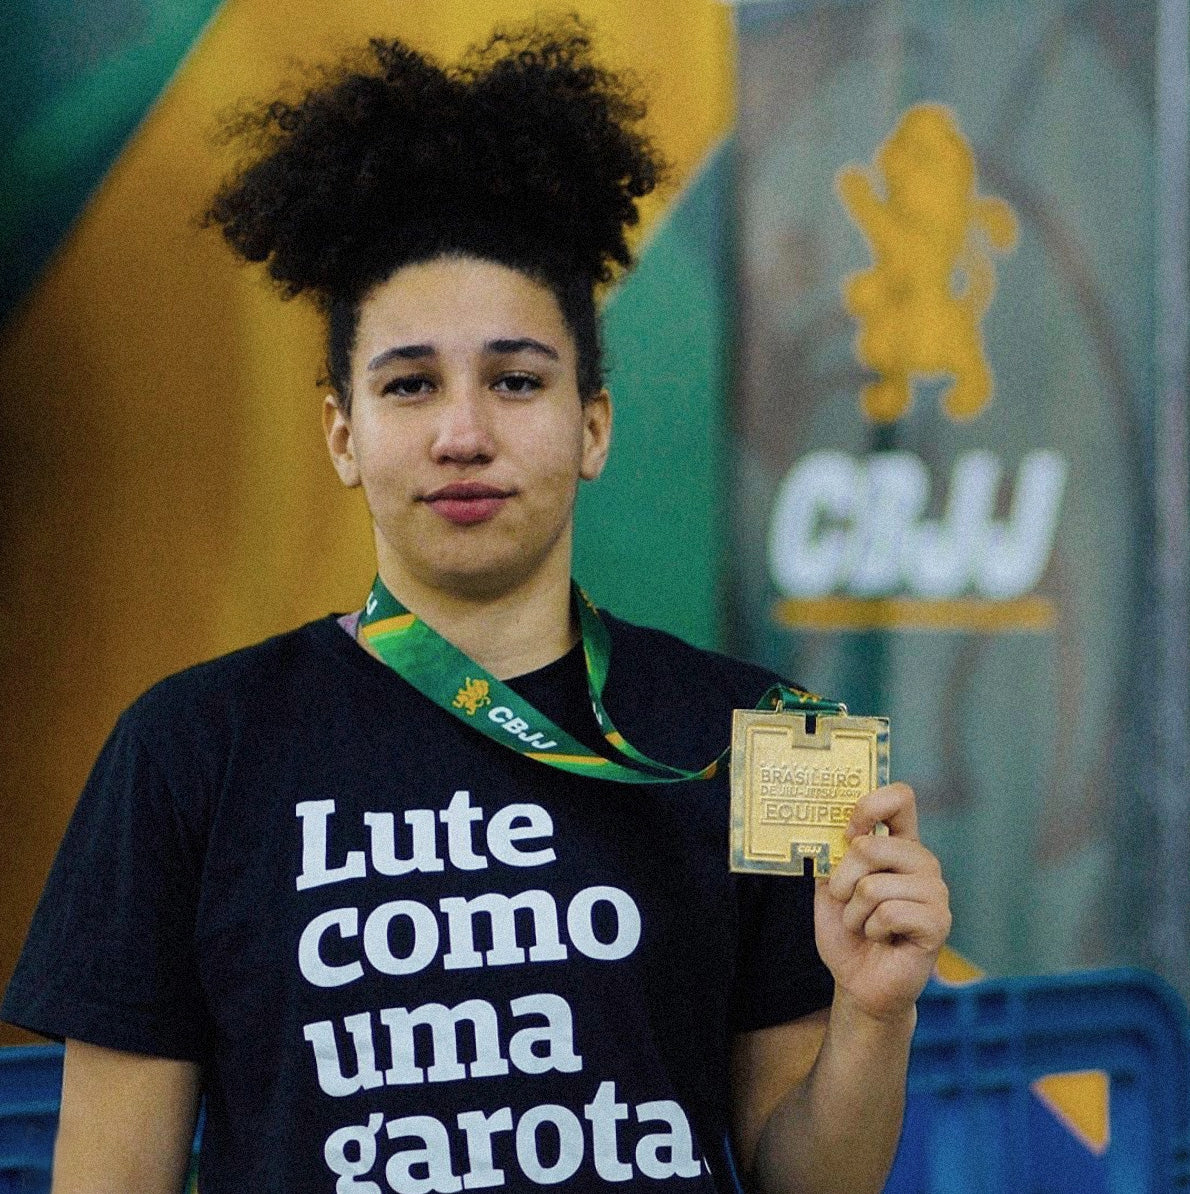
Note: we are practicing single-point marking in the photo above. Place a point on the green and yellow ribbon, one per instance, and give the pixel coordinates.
(457, 684)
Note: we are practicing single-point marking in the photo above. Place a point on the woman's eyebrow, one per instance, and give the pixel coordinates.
(401, 352)
(502, 347)
(521, 344)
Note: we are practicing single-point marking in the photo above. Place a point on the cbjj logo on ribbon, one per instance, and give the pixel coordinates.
(850, 544)
(472, 696)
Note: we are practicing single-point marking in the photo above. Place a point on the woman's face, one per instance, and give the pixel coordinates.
(466, 430)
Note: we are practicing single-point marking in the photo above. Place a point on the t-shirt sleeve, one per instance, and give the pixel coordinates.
(779, 975)
(110, 956)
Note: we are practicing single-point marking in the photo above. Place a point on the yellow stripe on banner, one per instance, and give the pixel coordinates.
(582, 760)
(393, 625)
(615, 738)
(1021, 615)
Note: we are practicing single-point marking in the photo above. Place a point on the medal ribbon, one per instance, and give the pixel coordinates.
(456, 683)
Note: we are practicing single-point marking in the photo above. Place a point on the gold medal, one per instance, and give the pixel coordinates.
(795, 778)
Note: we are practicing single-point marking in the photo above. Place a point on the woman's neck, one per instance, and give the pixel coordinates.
(509, 633)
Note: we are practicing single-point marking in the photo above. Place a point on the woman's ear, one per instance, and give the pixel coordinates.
(597, 434)
(337, 427)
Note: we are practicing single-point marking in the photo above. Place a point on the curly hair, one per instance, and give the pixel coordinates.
(526, 153)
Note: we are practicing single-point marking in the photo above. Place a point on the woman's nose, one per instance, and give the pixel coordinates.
(464, 431)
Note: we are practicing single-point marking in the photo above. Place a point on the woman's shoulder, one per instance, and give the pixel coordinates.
(263, 680)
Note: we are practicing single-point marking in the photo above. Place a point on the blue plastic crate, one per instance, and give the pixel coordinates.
(30, 1094)
(977, 1122)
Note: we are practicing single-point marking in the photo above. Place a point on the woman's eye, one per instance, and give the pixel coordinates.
(407, 387)
(518, 383)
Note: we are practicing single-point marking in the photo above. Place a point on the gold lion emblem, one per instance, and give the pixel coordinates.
(472, 696)
(932, 278)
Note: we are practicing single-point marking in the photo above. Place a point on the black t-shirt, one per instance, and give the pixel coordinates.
(406, 957)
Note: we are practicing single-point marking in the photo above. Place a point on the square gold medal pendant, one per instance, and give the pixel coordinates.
(795, 778)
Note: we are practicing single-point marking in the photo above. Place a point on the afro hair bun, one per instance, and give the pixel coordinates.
(526, 151)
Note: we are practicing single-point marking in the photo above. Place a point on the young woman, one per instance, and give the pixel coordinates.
(402, 893)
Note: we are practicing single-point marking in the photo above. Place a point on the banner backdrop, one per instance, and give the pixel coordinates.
(942, 508)
(162, 468)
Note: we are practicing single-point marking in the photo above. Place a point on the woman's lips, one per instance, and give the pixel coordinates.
(466, 502)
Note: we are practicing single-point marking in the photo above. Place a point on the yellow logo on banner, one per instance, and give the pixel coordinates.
(472, 696)
(932, 278)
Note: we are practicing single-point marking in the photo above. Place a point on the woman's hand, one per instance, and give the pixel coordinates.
(884, 913)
